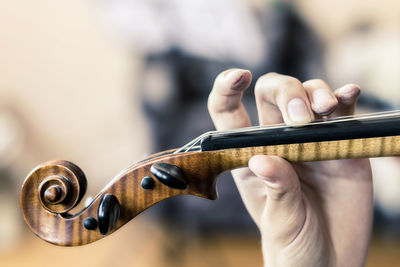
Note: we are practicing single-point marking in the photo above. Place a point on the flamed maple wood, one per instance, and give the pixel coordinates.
(46, 210)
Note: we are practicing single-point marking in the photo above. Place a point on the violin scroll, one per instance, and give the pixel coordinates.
(57, 185)
(48, 193)
(52, 189)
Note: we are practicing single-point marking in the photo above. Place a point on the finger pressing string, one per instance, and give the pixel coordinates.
(282, 98)
(347, 97)
(323, 101)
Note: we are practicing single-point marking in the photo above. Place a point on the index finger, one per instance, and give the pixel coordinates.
(224, 103)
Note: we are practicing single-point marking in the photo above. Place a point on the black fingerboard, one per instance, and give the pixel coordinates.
(313, 132)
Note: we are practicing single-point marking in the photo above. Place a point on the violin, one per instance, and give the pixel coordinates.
(54, 188)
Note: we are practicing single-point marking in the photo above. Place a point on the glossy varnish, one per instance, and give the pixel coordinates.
(53, 223)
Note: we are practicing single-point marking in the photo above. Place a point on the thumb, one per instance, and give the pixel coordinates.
(284, 214)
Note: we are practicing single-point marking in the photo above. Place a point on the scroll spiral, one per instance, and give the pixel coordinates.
(57, 185)
(51, 189)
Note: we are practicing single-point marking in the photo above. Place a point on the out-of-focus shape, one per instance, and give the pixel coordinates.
(11, 137)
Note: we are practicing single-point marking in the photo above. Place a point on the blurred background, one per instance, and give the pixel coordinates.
(105, 83)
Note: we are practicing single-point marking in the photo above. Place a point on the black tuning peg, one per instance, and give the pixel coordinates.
(108, 213)
(170, 175)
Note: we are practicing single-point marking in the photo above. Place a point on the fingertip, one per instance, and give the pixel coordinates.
(324, 101)
(243, 81)
(278, 175)
(224, 102)
(266, 166)
(255, 162)
(349, 89)
(233, 81)
(348, 94)
(298, 112)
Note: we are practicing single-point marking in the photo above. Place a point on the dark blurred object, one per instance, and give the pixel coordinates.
(10, 224)
(372, 102)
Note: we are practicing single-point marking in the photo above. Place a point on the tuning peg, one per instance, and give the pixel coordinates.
(170, 175)
(108, 213)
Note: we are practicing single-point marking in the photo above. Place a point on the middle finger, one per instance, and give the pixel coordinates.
(282, 98)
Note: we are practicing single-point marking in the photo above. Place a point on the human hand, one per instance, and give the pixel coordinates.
(308, 214)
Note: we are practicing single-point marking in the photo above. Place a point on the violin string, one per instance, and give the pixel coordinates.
(387, 114)
(192, 143)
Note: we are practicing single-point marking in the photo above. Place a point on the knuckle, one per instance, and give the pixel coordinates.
(264, 79)
(278, 194)
(320, 81)
(263, 84)
(218, 103)
(276, 82)
(284, 191)
(288, 82)
(315, 82)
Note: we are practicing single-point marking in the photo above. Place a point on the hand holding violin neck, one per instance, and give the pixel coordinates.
(52, 189)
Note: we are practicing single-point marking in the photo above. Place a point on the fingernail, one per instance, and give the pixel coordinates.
(298, 111)
(236, 77)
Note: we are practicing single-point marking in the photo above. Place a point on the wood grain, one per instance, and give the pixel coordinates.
(200, 168)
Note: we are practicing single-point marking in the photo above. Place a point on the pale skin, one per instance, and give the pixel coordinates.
(308, 214)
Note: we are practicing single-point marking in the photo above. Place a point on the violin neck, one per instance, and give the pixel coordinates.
(312, 133)
(354, 138)
(313, 151)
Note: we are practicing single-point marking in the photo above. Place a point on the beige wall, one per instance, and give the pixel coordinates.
(370, 58)
(70, 87)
